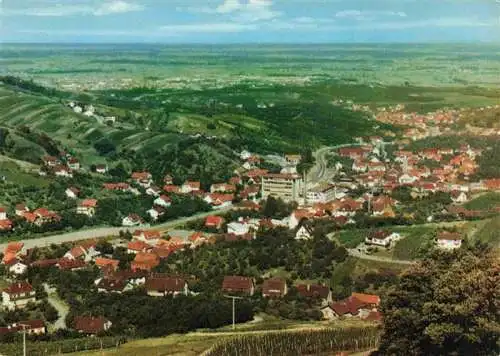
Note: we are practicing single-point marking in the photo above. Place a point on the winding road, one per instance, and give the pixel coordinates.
(320, 170)
(108, 231)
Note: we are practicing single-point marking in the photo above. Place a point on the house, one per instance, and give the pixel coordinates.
(359, 166)
(492, 184)
(91, 325)
(117, 186)
(12, 251)
(274, 288)
(30, 327)
(190, 186)
(315, 291)
(238, 284)
(235, 181)
(353, 152)
(145, 261)
(101, 168)
(168, 179)
(304, 232)
(214, 221)
(293, 159)
(159, 286)
(21, 209)
(50, 161)
(6, 225)
(144, 179)
(16, 266)
(72, 192)
(322, 193)
(407, 179)
(357, 305)
(155, 212)
(382, 238)
(244, 155)
(163, 201)
(18, 295)
(137, 246)
(219, 200)
(41, 216)
(62, 171)
(222, 188)
(133, 278)
(298, 215)
(73, 164)
(153, 191)
(449, 240)
(132, 220)
(67, 264)
(170, 188)
(151, 237)
(459, 196)
(102, 262)
(85, 252)
(87, 207)
(112, 285)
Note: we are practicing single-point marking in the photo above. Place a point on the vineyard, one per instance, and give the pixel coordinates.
(45, 348)
(302, 342)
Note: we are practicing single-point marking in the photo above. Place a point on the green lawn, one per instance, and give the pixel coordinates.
(352, 238)
(484, 202)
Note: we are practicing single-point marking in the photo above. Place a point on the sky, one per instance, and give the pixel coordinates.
(249, 21)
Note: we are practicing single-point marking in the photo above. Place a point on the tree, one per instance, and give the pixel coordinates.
(446, 305)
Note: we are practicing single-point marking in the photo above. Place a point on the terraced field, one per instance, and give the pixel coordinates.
(74, 132)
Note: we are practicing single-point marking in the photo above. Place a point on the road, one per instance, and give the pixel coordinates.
(320, 169)
(108, 231)
(363, 256)
(60, 306)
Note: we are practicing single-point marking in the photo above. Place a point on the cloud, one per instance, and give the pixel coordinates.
(368, 15)
(100, 8)
(240, 10)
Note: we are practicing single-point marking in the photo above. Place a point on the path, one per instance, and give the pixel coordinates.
(107, 231)
(59, 305)
(355, 253)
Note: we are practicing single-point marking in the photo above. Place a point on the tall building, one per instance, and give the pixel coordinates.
(284, 186)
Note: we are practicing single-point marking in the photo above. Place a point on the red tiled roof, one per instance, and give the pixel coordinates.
(237, 284)
(138, 245)
(45, 263)
(274, 287)
(367, 298)
(170, 188)
(102, 262)
(141, 175)
(165, 284)
(89, 324)
(313, 290)
(450, 236)
(89, 203)
(18, 287)
(148, 234)
(192, 184)
(66, 264)
(213, 220)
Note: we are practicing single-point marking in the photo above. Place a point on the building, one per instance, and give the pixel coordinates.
(382, 238)
(274, 288)
(151, 237)
(315, 291)
(239, 285)
(449, 240)
(163, 201)
(159, 286)
(31, 327)
(72, 192)
(132, 220)
(16, 266)
(214, 221)
(190, 186)
(293, 159)
(284, 186)
(87, 207)
(91, 325)
(357, 305)
(321, 194)
(101, 168)
(18, 295)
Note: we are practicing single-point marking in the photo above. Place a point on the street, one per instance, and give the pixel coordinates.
(59, 305)
(107, 231)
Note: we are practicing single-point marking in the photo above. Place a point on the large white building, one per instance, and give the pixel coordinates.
(18, 295)
(322, 194)
(284, 186)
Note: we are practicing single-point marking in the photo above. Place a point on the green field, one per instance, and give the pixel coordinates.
(486, 201)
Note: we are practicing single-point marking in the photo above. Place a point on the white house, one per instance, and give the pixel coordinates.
(382, 238)
(18, 295)
(244, 155)
(3, 214)
(155, 212)
(304, 232)
(72, 192)
(16, 267)
(449, 240)
(153, 191)
(459, 197)
(63, 172)
(163, 201)
(407, 179)
(87, 207)
(132, 220)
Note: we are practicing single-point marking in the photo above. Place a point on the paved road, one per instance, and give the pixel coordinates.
(363, 256)
(107, 231)
(60, 306)
(320, 169)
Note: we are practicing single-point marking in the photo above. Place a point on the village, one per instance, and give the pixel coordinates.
(364, 184)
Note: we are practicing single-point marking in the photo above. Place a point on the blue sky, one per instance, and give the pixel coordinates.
(242, 21)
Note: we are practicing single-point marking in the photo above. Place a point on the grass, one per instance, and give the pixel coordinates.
(352, 238)
(486, 201)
